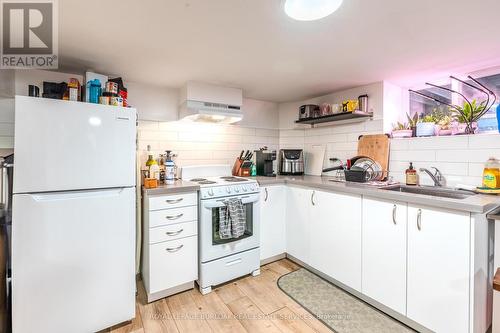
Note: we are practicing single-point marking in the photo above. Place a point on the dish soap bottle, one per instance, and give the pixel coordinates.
(169, 169)
(491, 173)
(411, 175)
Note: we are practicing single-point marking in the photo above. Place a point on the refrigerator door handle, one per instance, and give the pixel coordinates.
(70, 195)
(4, 186)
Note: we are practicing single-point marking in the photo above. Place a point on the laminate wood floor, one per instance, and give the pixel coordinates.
(249, 304)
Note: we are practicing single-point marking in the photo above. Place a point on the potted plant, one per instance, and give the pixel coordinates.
(445, 126)
(442, 118)
(467, 116)
(412, 122)
(401, 130)
(426, 126)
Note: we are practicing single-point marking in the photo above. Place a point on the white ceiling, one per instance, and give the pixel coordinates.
(253, 45)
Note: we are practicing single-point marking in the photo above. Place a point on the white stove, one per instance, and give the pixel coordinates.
(222, 260)
(223, 186)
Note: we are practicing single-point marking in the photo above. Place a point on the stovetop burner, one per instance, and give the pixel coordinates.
(196, 180)
(206, 182)
(234, 179)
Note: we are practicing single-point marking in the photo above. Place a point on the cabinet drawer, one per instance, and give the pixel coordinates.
(173, 201)
(173, 216)
(173, 263)
(172, 231)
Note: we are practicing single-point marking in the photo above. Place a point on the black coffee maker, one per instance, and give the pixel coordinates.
(264, 162)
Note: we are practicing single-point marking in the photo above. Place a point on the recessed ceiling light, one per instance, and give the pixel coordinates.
(310, 10)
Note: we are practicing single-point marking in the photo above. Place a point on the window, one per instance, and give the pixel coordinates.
(425, 106)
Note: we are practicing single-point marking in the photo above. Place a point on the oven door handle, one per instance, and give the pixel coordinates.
(221, 202)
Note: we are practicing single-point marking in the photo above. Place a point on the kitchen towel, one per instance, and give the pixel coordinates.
(232, 219)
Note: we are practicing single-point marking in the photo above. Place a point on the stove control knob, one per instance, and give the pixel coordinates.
(236, 189)
(228, 190)
(211, 192)
(245, 189)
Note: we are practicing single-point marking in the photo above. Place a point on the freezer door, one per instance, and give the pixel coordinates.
(62, 145)
(73, 260)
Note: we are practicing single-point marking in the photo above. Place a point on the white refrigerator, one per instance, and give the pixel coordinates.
(73, 224)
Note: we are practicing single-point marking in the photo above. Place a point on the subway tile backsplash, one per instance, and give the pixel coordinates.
(460, 158)
(201, 143)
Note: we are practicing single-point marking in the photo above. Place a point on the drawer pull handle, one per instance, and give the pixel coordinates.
(170, 217)
(234, 262)
(174, 201)
(174, 233)
(175, 249)
(394, 214)
(267, 194)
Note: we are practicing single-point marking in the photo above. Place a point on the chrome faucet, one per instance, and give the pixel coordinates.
(437, 176)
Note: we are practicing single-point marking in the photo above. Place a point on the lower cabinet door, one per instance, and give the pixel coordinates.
(384, 253)
(298, 223)
(173, 263)
(438, 269)
(272, 221)
(335, 236)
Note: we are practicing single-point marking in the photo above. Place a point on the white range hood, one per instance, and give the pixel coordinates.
(210, 103)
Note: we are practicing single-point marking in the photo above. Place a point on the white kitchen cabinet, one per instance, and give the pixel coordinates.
(438, 269)
(272, 221)
(170, 244)
(335, 236)
(384, 252)
(298, 222)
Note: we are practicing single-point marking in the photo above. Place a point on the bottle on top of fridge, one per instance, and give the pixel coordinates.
(491, 173)
(169, 169)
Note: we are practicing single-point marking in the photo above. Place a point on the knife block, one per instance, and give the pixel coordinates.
(239, 171)
(237, 167)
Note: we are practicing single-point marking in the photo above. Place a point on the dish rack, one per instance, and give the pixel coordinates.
(364, 170)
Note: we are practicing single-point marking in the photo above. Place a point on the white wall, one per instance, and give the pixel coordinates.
(161, 104)
(396, 105)
(460, 158)
(153, 103)
(7, 83)
(340, 141)
(288, 112)
(25, 77)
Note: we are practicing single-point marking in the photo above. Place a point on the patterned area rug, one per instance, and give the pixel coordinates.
(340, 311)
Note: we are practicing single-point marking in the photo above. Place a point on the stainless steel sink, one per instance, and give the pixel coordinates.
(442, 192)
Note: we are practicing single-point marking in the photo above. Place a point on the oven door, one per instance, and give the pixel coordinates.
(211, 245)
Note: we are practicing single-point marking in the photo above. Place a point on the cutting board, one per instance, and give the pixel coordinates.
(375, 147)
(313, 160)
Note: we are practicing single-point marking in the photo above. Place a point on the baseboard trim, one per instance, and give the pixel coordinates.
(272, 259)
(169, 292)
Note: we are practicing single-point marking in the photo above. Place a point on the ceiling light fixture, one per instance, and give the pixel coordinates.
(310, 10)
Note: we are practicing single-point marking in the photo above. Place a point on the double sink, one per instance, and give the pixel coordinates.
(441, 192)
